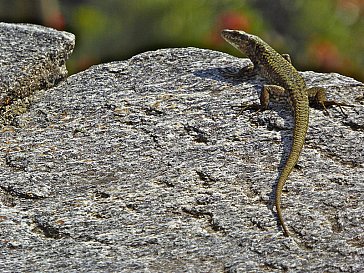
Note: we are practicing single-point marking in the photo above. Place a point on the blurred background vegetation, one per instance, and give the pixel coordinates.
(320, 35)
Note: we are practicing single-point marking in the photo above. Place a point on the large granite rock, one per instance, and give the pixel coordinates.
(32, 58)
(145, 165)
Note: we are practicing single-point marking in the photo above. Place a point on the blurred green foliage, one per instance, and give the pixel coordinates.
(322, 35)
(112, 29)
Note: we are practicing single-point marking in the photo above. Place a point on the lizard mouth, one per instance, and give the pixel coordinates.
(236, 38)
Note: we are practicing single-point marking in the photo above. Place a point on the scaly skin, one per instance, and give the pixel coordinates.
(283, 79)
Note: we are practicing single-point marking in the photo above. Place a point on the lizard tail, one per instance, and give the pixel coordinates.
(299, 133)
(281, 181)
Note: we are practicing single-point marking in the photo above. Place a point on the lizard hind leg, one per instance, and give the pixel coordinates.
(317, 96)
(270, 91)
(267, 92)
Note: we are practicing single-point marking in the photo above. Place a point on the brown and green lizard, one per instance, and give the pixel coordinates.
(283, 80)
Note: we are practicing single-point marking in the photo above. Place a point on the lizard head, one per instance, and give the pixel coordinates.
(245, 42)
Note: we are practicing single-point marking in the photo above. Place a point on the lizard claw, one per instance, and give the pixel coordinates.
(254, 106)
(330, 103)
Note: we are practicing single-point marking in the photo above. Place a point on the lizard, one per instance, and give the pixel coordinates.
(283, 80)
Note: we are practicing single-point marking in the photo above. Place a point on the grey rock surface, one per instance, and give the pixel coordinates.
(32, 58)
(145, 165)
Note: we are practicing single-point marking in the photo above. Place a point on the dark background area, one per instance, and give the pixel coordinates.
(325, 35)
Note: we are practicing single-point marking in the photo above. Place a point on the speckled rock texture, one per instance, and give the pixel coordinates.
(148, 165)
(32, 58)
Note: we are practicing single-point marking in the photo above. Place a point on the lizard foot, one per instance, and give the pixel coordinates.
(329, 103)
(254, 106)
